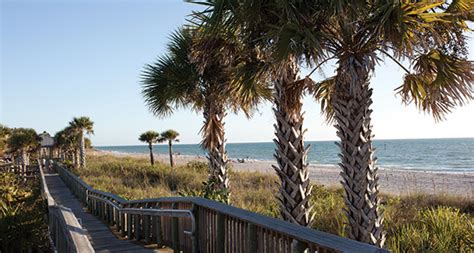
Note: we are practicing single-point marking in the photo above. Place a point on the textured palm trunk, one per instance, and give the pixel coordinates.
(76, 157)
(152, 159)
(82, 151)
(351, 104)
(23, 158)
(214, 141)
(170, 149)
(290, 152)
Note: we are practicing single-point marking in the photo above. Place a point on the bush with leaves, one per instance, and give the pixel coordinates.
(442, 229)
(22, 222)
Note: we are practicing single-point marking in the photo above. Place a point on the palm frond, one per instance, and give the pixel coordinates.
(172, 81)
(323, 93)
(440, 83)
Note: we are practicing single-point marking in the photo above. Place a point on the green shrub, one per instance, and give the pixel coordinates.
(22, 223)
(441, 229)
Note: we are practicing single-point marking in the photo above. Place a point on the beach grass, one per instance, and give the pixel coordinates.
(438, 221)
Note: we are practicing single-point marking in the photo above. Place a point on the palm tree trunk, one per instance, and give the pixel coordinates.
(290, 152)
(23, 158)
(152, 159)
(214, 141)
(170, 147)
(76, 157)
(359, 174)
(82, 151)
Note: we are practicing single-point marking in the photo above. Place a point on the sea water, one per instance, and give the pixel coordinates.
(453, 155)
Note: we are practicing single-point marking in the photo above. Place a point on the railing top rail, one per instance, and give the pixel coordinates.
(44, 187)
(76, 235)
(301, 233)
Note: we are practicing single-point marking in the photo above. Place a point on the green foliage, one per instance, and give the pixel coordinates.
(80, 124)
(208, 191)
(169, 135)
(4, 133)
(327, 210)
(23, 139)
(441, 229)
(149, 137)
(22, 223)
(87, 143)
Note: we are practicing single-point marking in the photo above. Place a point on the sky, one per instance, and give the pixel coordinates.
(63, 59)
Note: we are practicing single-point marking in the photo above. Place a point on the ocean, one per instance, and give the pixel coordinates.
(449, 155)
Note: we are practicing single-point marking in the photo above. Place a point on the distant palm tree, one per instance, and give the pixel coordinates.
(4, 134)
(66, 142)
(170, 136)
(21, 142)
(196, 77)
(150, 137)
(81, 125)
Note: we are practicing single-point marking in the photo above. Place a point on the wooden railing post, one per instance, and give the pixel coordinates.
(252, 238)
(175, 229)
(146, 227)
(157, 228)
(195, 235)
(298, 246)
(221, 243)
(122, 224)
(129, 226)
(138, 227)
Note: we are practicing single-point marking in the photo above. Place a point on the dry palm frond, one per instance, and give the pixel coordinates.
(440, 83)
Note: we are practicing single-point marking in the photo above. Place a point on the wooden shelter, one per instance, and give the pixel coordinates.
(47, 145)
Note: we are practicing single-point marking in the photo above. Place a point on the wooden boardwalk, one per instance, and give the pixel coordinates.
(100, 235)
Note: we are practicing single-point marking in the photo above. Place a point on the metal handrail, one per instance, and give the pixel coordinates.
(175, 213)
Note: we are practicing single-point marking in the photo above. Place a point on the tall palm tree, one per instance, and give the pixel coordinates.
(428, 35)
(194, 75)
(281, 50)
(170, 136)
(22, 142)
(150, 137)
(81, 125)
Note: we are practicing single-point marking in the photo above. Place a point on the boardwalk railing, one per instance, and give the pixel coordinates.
(24, 172)
(206, 226)
(65, 230)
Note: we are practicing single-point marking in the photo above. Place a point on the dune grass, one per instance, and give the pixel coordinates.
(415, 223)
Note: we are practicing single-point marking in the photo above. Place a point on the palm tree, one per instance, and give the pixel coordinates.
(81, 125)
(281, 50)
(191, 76)
(427, 35)
(21, 142)
(4, 134)
(150, 137)
(170, 136)
(66, 142)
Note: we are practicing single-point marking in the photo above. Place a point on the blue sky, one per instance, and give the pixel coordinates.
(61, 59)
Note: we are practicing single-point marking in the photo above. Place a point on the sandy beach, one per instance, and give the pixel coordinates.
(392, 181)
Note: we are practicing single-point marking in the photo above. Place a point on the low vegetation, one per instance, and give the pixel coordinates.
(417, 223)
(23, 227)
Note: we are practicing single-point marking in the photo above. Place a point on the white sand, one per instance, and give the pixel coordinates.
(392, 181)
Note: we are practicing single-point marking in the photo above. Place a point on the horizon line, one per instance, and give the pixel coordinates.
(257, 142)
